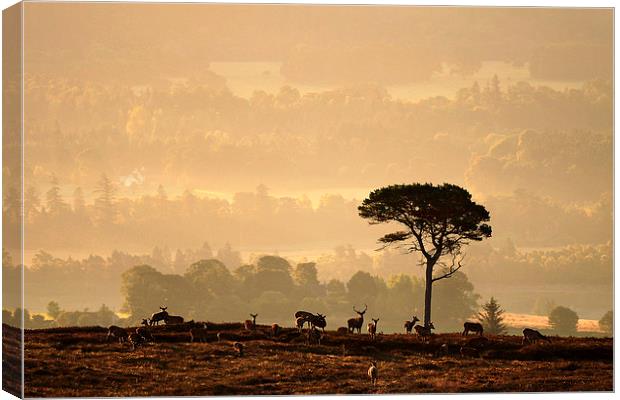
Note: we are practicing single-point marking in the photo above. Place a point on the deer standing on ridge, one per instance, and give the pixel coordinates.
(357, 322)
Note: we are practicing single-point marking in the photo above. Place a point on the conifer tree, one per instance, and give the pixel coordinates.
(491, 317)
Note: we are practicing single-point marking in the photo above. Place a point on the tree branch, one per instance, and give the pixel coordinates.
(451, 270)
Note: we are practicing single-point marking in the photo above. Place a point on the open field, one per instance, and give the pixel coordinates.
(174, 366)
(542, 322)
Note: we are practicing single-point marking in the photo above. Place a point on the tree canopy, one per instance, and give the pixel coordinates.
(438, 220)
(563, 320)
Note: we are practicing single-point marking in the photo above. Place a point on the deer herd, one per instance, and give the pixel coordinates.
(313, 336)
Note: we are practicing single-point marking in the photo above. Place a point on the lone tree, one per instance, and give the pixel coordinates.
(491, 317)
(563, 320)
(438, 221)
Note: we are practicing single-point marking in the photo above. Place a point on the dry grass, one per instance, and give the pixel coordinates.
(77, 362)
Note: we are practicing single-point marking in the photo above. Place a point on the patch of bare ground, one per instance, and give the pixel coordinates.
(173, 366)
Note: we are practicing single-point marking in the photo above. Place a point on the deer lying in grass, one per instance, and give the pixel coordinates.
(116, 332)
(373, 372)
(469, 352)
(145, 332)
(159, 316)
(343, 330)
(238, 348)
(372, 328)
(198, 334)
(444, 350)
(136, 340)
(474, 327)
(477, 342)
(250, 325)
(357, 322)
(424, 332)
(532, 336)
(173, 320)
(410, 324)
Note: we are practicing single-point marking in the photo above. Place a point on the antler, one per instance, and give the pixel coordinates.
(366, 308)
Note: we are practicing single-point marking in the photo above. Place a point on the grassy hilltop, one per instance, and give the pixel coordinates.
(173, 366)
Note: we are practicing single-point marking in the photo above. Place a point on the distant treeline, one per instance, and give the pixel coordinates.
(66, 280)
(274, 289)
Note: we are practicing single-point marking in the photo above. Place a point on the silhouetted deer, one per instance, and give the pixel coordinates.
(424, 332)
(116, 332)
(238, 348)
(532, 336)
(275, 330)
(410, 324)
(250, 325)
(317, 320)
(159, 316)
(313, 336)
(299, 323)
(145, 332)
(472, 327)
(469, 351)
(198, 334)
(478, 342)
(372, 328)
(136, 340)
(356, 323)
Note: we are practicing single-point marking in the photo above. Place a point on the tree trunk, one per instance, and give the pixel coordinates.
(428, 293)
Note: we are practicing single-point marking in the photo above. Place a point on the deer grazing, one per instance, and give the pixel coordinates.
(424, 332)
(173, 320)
(250, 325)
(299, 323)
(372, 328)
(275, 330)
(373, 372)
(532, 336)
(343, 330)
(410, 324)
(159, 316)
(317, 320)
(116, 332)
(444, 350)
(357, 322)
(238, 348)
(198, 334)
(474, 327)
(145, 332)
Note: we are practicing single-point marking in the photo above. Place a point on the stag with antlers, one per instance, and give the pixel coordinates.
(357, 322)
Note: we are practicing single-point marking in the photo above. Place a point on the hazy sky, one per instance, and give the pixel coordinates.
(513, 103)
